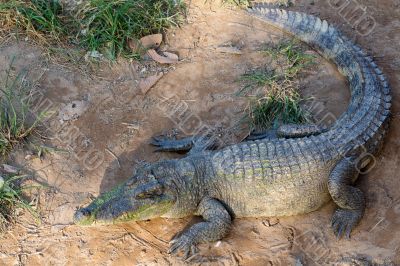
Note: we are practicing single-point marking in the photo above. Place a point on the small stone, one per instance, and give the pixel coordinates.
(168, 58)
(10, 169)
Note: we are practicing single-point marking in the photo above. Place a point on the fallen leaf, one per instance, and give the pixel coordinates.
(10, 169)
(229, 50)
(171, 56)
(147, 42)
(147, 83)
(168, 58)
(151, 41)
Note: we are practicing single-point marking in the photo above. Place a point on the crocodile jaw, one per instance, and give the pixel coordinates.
(126, 203)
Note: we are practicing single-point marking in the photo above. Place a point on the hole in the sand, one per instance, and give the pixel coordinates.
(73, 105)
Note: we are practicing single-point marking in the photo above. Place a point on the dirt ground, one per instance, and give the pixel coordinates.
(104, 122)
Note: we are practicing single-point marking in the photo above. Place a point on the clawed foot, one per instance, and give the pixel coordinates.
(269, 134)
(185, 244)
(343, 221)
(164, 143)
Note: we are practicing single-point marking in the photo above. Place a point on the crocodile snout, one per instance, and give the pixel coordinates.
(82, 215)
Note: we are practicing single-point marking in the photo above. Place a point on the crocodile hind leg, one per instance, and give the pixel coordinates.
(350, 200)
(299, 131)
(216, 225)
(268, 134)
(288, 131)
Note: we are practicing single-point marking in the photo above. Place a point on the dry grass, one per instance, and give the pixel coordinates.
(273, 92)
(37, 20)
(99, 26)
(11, 200)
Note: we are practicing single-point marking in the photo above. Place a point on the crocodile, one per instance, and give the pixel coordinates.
(296, 172)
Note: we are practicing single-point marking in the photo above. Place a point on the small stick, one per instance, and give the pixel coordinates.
(133, 126)
(113, 155)
(381, 220)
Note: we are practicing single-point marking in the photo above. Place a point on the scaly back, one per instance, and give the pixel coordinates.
(365, 122)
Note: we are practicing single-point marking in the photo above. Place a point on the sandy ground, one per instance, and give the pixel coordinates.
(104, 122)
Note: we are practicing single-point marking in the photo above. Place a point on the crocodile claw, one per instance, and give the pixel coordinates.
(185, 244)
(343, 222)
(172, 144)
(163, 143)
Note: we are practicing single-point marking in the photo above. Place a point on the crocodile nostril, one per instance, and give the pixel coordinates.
(81, 214)
(85, 212)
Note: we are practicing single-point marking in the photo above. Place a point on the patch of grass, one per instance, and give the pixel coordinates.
(279, 105)
(107, 26)
(39, 19)
(273, 93)
(295, 59)
(103, 26)
(11, 199)
(243, 3)
(17, 122)
(257, 79)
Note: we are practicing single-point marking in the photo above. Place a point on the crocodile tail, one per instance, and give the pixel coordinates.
(365, 122)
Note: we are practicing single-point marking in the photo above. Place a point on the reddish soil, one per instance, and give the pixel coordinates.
(116, 122)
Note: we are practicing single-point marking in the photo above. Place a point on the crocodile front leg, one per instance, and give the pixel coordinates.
(350, 199)
(268, 134)
(191, 144)
(171, 144)
(216, 225)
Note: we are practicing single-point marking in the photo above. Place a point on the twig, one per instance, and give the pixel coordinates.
(132, 126)
(114, 156)
(381, 220)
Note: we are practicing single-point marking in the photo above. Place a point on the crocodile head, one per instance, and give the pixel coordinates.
(142, 197)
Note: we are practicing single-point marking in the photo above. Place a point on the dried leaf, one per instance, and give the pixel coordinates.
(151, 41)
(168, 58)
(171, 56)
(147, 83)
(147, 42)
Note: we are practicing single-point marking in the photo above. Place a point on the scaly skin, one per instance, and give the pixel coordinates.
(296, 172)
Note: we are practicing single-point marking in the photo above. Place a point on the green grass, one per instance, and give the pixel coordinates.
(243, 3)
(107, 26)
(11, 199)
(293, 54)
(273, 92)
(279, 105)
(39, 19)
(258, 78)
(17, 123)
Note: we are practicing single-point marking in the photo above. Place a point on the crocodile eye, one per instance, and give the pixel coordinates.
(141, 196)
(150, 190)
